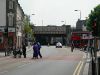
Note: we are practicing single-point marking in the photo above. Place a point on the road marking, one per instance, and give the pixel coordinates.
(3, 72)
(80, 69)
(77, 68)
(21, 66)
(26, 63)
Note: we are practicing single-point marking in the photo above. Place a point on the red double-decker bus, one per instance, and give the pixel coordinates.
(79, 39)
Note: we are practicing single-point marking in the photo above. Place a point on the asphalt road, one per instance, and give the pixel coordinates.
(55, 61)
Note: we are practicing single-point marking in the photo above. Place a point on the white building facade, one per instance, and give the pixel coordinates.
(19, 26)
(10, 14)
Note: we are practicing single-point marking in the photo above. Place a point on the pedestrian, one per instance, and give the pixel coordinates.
(39, 46)
(35, 51)
(72, 46)
(85, 48)
(24, 50)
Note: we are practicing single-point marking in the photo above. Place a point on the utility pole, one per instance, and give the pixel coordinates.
(95, 33)
(6, 39)
(95, 55)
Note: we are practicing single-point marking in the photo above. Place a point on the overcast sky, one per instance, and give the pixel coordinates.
(52, 12)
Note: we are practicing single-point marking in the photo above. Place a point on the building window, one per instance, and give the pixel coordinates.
(10, 19)
(11, 4)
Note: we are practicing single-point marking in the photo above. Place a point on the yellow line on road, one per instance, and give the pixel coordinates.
(77, 68)
(78, 73)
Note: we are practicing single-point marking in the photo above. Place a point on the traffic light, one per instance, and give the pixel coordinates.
(6, 32)
(95, 28)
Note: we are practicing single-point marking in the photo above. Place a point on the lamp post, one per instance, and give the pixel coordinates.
(30, 17)
(31, 24)
(6, 39)
(65, 37)
(80, 13)
(33, 14)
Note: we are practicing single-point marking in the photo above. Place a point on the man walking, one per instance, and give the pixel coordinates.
(24, 50)
(39, 46)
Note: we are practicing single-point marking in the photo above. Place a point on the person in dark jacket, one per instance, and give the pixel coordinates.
(39, 46)
(24, 50)
(35, 51)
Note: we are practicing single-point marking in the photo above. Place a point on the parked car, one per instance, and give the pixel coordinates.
(58, 45)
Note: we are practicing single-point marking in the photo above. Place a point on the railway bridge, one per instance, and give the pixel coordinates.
(52, 34)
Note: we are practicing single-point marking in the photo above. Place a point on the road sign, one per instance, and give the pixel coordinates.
(11, 29)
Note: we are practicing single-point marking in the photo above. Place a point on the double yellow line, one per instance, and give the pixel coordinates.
(78, 68)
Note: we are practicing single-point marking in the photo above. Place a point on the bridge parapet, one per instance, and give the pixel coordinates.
(49, 30)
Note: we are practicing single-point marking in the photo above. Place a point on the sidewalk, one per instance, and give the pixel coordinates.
(98, 55)
(87, 65)
(86, 69)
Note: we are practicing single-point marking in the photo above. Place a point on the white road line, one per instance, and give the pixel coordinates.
(3, 72)
(21, 66)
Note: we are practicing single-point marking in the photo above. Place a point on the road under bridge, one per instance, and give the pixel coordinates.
(52, 34)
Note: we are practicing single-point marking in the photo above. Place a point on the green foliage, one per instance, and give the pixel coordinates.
(28, 27)
(95, 14)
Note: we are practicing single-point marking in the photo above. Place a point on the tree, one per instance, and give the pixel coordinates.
(27, 28)
(94, 15)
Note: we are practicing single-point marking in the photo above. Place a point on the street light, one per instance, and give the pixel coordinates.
(33, 14)
(64, 22)
(80, 13)
(30, 15)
